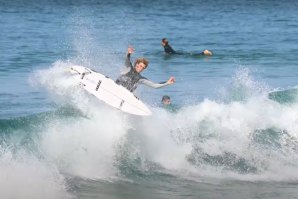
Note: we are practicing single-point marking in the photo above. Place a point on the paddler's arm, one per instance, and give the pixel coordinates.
(147, 82)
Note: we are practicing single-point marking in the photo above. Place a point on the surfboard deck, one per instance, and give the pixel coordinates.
(106, 90)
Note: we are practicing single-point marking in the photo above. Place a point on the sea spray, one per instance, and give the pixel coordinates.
(25, 176)
(217, 138)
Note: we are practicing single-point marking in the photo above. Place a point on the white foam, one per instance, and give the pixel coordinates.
(24, 176)
(88, 147)
(85, 147)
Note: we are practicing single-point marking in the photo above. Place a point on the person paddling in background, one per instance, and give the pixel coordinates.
(167, 104)
(169, 50)
(166, 100)
(132, 77)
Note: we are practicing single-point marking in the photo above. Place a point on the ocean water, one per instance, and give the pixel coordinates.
(234, 134)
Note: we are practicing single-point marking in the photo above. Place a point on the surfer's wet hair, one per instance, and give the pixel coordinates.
(142, 60)
(164, 40)
(165, 97)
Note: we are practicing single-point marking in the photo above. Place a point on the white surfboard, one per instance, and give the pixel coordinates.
(108, 91)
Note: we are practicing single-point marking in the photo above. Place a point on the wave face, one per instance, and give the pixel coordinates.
(252, 137)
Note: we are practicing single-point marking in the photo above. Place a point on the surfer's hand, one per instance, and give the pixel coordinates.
(130, 50)
(171, 80)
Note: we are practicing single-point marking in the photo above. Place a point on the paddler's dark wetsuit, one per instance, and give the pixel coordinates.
(131, 78)
(169, 49)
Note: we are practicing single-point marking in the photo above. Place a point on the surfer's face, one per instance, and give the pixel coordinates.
(140, 67)
(166, 102)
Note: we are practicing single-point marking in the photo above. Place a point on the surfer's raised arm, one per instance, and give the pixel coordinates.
(128, 63)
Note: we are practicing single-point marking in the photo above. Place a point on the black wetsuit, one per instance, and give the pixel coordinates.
(169, 49)
(132, 78)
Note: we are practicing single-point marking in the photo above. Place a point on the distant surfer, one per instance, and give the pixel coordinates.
(167, 104)
(166, 100)
(169, 50)
(131, 78)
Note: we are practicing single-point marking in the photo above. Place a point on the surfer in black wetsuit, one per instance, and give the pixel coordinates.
(169, 50)
(132, 77)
